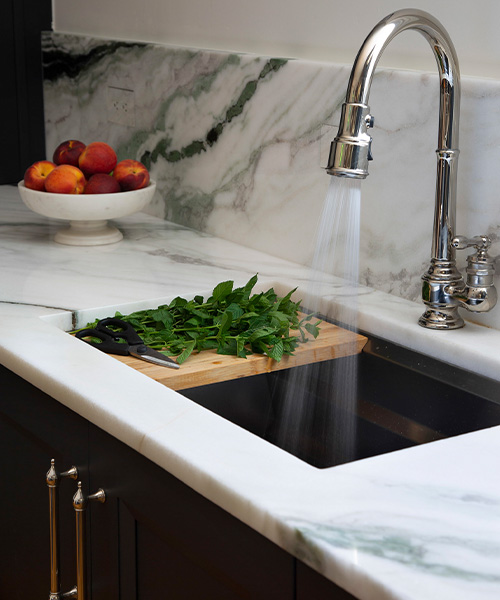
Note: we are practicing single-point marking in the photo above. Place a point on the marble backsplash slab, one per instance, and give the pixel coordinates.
(237, 143)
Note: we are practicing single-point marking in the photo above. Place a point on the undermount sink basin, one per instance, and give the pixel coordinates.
(401, 399)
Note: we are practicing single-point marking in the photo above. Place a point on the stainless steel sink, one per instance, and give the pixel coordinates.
(401, 399)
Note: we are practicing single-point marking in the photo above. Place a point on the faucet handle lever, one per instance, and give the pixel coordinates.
(478, 292)
(480, 242)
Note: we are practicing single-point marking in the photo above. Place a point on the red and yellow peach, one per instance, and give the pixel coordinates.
(65, 179)
(68, 152)
(131, 175)
(35, 176)
(102, 183)
(97, 157)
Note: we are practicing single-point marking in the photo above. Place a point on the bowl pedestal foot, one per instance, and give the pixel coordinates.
(88, 233)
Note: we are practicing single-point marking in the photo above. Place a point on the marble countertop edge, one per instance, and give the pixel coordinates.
(227, 465)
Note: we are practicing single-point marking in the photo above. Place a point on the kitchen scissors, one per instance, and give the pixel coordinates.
(126, 341)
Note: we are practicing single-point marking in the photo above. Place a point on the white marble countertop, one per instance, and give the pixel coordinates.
(415, 524)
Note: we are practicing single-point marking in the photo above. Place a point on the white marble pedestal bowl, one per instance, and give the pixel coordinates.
(87, 214)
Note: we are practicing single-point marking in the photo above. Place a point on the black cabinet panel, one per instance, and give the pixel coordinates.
(33, 429)
(311, 585)
(171, 541)
(10, 152)
(21, 100)
(154, 537)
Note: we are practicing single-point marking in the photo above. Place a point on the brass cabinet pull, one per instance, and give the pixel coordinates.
(80, 505)
(52, 479)
(79, 591)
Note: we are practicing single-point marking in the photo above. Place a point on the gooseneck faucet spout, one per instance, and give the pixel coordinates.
(443, 289)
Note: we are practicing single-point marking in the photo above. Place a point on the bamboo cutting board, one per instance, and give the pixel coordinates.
(209, 367)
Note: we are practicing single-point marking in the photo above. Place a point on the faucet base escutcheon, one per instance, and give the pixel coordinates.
(442, 308)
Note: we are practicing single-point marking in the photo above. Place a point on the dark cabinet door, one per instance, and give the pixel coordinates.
(312, 585)
(10, 153)
(157, 538)
(21, 100)
(34, 428)
(154, 537)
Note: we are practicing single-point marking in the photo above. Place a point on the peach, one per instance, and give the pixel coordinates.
(35, 176)
(98, 157)
(65, 179)
(102, 183)
(131, 175)
(68, 152)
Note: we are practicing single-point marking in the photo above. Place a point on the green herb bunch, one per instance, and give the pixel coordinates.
(232, 321)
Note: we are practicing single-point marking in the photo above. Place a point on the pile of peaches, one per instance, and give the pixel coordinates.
(77, 168)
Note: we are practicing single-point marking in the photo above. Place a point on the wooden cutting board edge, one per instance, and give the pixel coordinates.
(208, 367)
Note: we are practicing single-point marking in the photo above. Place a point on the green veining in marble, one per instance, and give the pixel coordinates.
(190, 208)
(307, 552)
(58, 63)
(202, 84)
(198, 146)
(412, 550)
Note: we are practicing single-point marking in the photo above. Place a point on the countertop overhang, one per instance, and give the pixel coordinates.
(419, 523)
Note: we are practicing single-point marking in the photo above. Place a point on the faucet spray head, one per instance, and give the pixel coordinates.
(351, 149)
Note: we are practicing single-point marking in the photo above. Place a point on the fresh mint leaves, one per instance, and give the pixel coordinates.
(232, 321)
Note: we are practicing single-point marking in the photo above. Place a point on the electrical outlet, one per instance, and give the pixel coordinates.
(120, 104)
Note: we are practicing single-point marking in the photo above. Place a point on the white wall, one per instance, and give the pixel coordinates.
(325, 30)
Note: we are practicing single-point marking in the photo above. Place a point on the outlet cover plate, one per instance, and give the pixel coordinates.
(120, 105)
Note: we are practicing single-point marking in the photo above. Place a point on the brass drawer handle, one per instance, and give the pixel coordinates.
(52, 479)
(80, 505)
(79, 591)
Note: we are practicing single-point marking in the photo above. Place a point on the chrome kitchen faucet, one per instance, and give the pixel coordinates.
(444, 289)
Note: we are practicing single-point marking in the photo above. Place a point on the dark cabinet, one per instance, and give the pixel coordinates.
(21, 100)
(171, 541)
(313, 586)
(154, 537)
(33, 429)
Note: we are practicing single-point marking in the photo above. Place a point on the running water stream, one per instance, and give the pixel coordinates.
(317, 418)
